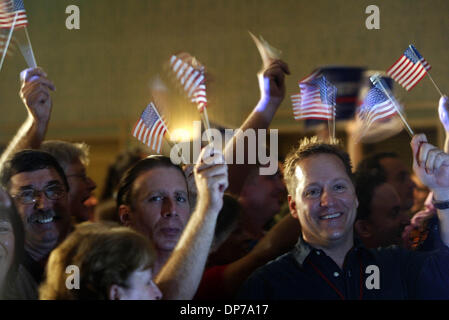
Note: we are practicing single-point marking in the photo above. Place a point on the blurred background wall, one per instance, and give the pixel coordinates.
(102, 72)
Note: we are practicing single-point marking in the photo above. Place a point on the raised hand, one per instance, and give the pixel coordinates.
(272, 82)
(443, 111)
(211, 178)
(190, 178)
(430, 164)
(35, 93)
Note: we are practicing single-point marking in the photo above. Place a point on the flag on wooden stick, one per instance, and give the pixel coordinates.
(376, 107)
(409, 69)
(192, 79)
(150, 129)
(11, 10)
(315, 101)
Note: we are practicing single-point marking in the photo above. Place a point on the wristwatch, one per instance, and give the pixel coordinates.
(442, 205)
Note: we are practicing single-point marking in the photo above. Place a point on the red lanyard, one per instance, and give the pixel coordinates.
(342, 297)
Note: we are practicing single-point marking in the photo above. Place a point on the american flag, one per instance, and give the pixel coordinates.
(8, 11)
(409, 69)
(150, 129)
(192, 80)
(315, 74)
(199, 97)
(12, 44)
(315, 101)
(376, 107)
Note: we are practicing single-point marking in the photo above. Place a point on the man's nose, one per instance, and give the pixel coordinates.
(327, 199)
(41, 201)
(168, 207)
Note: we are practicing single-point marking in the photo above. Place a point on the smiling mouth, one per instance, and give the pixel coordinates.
(331, 216)
(43, 218)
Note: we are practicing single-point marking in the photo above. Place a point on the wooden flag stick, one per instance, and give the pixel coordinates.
(33, 59)
(23, 40)
(8, 41)
(434, 84)
(378, 82)
(333, 122)
(206, 123)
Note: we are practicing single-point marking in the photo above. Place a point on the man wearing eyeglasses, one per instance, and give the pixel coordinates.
(39, 187)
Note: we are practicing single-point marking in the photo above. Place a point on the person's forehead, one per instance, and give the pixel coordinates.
(76, 166)
(139, 275)
(160, 179)
(319, 165)
(36, 179)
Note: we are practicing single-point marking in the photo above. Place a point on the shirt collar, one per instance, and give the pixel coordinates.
(302, 249)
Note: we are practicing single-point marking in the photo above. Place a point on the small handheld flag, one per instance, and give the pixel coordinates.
(9, 48)
(267, 52)
(375, 107)
(8, 11)
(315, 74)
(150, 129)
(13, 16)
(192, 79)
(409, 69)
(380, 84)
(316, 100)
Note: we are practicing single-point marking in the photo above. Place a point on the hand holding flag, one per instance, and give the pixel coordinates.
(443, 112)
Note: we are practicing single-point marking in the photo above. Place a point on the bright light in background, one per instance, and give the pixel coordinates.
(182, 134)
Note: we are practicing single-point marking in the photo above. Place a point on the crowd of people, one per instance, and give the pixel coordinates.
(165, 231)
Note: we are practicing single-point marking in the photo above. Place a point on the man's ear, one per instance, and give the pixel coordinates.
(292, 207)
(124, 212)
(362, 227)
(115, 292)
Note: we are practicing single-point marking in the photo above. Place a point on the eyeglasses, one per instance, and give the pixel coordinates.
(30, 196)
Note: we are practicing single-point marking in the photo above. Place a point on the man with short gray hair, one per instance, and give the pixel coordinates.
(74, 158)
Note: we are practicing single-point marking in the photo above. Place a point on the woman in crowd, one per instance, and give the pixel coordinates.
(11, 244)
(101, 262)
